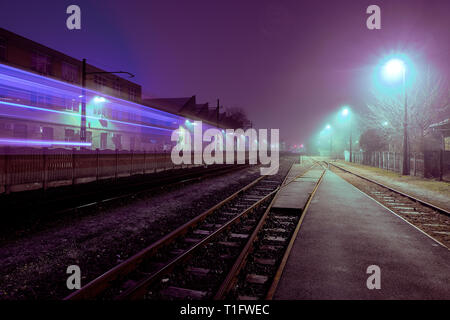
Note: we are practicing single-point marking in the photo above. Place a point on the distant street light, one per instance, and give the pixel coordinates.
(393, 69)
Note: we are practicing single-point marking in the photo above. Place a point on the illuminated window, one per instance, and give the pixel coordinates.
(41, 63)
(103, 140)
(2, 49)
(117, 140)
(69, 72)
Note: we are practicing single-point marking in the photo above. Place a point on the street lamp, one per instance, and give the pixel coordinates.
(393, 69)
(83, 96)
(328, 128)
(346, 113)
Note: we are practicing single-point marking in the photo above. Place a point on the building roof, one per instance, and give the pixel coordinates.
(171, 105)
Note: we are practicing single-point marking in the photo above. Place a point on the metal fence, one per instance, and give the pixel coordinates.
(431, 164)
(29, 168)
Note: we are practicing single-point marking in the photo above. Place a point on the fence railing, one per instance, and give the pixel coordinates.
(29, 168)
(431, 164)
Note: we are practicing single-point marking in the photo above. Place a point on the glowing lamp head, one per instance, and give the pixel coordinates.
(394, 69)
(301, 146)
(98, 99)
(345, 112)
(328, 127)
(385, 123)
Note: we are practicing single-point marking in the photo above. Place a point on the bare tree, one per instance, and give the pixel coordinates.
(238, 116)
(428, 102)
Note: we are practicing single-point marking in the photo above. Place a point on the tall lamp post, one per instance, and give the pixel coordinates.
(346, 113)
(328, 128)
(83, 97)
(392, 69)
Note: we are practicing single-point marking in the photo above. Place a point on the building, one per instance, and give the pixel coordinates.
(116, 119)
(41, 98)
(188, 107)
(29, 55)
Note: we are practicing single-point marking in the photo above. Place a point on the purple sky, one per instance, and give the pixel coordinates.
(289, 64)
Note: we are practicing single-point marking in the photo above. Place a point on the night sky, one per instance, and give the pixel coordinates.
(289, 64)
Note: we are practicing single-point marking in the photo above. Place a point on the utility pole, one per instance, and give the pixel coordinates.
(351, 140)
(405, 169)
(331, 145)
(83, 96)
(217, 113)
(83, 103)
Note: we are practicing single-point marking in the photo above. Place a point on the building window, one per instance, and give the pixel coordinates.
(72, 104)
(117, 140)
(2, 49)
(117, 88)
(132, 143)
(115, 114)
(69, 72)
(69, 135)
(132, 94)
(41, 63)
(103, 140)
(20, 131)
(47, 133)
(99, 81)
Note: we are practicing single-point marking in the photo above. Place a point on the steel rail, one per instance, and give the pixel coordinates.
(277, 277)
(103, 282)
(142, 286)
(427, 204)
(240, 262)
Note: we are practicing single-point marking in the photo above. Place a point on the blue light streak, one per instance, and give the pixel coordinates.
(44, 143)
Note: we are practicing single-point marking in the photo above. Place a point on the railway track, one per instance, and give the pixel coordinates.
(429, 218)
(257, 271)
(195, 260)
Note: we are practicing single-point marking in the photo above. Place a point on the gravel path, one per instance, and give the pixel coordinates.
(34, 266)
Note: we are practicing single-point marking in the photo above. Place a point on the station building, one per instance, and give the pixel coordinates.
(24, 54)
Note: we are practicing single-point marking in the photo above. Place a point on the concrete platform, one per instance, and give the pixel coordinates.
(344, 232)
(295, 194)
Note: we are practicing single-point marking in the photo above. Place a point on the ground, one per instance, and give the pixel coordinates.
(433, 191)
(34, 266)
